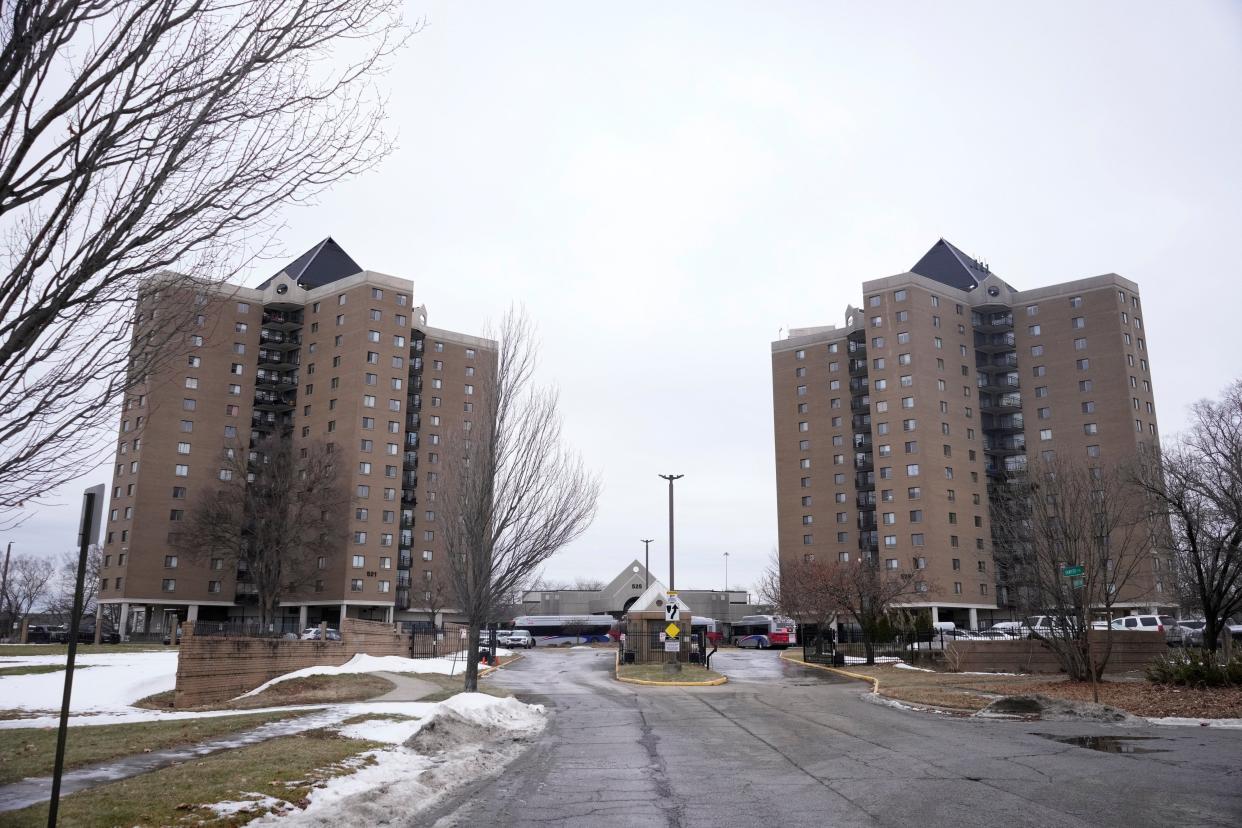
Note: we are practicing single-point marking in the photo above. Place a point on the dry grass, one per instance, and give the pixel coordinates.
(352, 687)
(286, 768)
(30, 751)
(7, 650)
(35, 669)
(970, 692)
(655, 672)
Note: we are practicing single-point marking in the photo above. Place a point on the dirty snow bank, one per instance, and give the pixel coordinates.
(363, 663)
(477, 735)
(1179, 721)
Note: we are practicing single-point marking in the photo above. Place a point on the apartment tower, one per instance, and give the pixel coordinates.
(890, 428)
(323, 351)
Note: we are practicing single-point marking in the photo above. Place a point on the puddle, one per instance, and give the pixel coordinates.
(1105, 744)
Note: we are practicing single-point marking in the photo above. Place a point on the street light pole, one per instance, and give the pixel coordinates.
(726, 557)
(4, 591)
(647, 559)
(670, 478)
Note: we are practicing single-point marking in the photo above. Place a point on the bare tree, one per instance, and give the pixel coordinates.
(589, 584)
(65, 583)
(142, 135)
(1061, 514)
(275, 525)
(1197, 486)
(768, 587)
(517, 494)
(30, 584)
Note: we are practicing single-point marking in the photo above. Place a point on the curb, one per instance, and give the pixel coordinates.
(489, 670)
(647, 683)
(875, 682)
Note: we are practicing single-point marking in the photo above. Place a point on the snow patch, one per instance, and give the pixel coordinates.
(246, 806)
(878, 660)
(363, 663)
(1179, 721)
(112, 685)
(903, 666)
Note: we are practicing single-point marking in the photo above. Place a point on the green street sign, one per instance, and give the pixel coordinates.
(1073, 571)
(1078, 583)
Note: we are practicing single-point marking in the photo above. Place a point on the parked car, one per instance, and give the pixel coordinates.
(519, 638)
(1139, 623)
(86, 634)
(1009, 629)
(502, 637)
(168, 639)
(312, 634)
(38, 634)
(1194, 637)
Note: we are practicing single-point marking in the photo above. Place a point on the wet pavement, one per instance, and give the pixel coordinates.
(787, 745)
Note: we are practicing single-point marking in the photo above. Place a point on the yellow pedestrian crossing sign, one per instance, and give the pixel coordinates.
(672, 630)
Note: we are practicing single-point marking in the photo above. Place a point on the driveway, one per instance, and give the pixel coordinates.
(784, 745)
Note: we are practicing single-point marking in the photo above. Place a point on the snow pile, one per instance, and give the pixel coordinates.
(901, 665)
(363, 663)
(112, 684)
(1179, 721)
(878, 660)
(475, 735)
(254, 802)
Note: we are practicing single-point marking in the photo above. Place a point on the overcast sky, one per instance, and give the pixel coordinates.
(666, 188)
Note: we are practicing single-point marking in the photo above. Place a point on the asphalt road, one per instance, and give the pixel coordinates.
(783, 745)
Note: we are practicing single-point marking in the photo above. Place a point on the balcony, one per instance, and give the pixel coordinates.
(273, 359)
(274, 401)
(863, 461)
(991, 343)
(866, 500)
(864, 480)
(405, 560)
(857, 349)
(410, 460)
(283, 320)
(412, 422)
(279, 340)
(279, 380)
(861, 422)
(860, 404)
(858, 367)
(408, 498)
(860, 385)
(862, 442)
(866, 522)
(996, 321)
(403, 599)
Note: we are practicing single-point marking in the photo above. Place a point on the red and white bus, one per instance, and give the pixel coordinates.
(764, 631)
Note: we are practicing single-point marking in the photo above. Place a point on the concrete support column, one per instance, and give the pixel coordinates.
(302, 617)
(147, 612)
(935, 615)
(124, 622)
(974, 618)
(390, 613)
(191, 613)
(344, 613)
(98, 622)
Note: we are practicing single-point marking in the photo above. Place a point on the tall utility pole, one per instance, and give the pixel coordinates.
(670, 478)
(726, 556)
(4, 592)
(647, 559)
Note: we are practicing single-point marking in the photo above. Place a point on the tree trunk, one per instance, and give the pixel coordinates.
(472, 659)
(869, 648)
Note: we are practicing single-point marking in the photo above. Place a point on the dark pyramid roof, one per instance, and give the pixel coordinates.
(325, 262)
(950, 266)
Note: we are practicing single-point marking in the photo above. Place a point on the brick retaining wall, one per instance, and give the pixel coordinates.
(1130, 651)
(211, 669)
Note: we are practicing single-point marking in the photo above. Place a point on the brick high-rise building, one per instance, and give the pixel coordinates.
(323, 351)
(888, 429)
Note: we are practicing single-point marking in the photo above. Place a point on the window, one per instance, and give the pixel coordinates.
(899, 295)
(169, 585)
(1033, 330)
(1083, 364)
(1080, 344)
(189, 405)
(917, 539)
(226, 474)
(170, 561)
(182, 471)
(912, 470)
(1045, 434)
(183, 448)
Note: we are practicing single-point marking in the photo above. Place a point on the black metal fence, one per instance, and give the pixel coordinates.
(289, 628)
(847, 645)
(649, 648)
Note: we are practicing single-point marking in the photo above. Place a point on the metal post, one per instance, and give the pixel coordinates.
(726, 557)
(4, 592)
(92, 508)
(670, 478)
(647, 559)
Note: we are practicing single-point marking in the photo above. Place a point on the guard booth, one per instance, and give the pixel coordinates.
(657, 624)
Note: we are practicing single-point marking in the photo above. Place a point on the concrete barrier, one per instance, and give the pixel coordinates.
(212, 669)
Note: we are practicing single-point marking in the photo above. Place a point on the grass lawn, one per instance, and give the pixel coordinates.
(655, 672)
(286, 768)
(13, 650)
(32, 669)
(308, 690)
(31, 751)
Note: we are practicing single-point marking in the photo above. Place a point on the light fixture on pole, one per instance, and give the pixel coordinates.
(670, 478)
(647, 559)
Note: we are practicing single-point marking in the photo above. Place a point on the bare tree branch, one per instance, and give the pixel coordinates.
(518, 495)
(137, 136)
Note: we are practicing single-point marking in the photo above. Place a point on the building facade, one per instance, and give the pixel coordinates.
(323, 352)
(891, 429)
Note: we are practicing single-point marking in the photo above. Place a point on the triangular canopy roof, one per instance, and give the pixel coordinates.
(325, 262)
(950, 266)
(656, 592)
